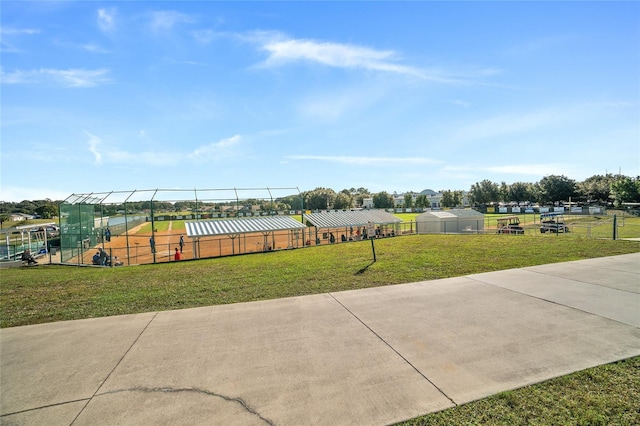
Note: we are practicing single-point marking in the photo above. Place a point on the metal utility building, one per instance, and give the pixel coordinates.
(238, 230)
(456, 221)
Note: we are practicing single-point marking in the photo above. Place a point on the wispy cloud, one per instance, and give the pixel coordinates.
(212, 152)
(8, 33)
(282, 50)
(215, 150)
(94, 145)
(93, 48)
(365, 161)
(207, 36)
(107, 19)
(164, 20)
(67, 78)
(18, 31)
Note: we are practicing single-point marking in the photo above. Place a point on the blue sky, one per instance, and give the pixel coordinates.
(389, 96)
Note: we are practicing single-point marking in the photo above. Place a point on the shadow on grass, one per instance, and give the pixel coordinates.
(363, 270)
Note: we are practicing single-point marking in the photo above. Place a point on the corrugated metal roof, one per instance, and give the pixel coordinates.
(449, 214)
(443, 215)
(241, 226)
(350, 218)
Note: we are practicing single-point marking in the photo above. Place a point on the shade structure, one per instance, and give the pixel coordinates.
(338, 219)
(242, 226)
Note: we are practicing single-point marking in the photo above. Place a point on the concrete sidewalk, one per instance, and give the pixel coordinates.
(364, 357)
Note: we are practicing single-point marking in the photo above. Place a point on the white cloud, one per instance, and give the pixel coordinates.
(6, 46)
(164, 20)
(337, 55)
(283, 50)
(79, 77)
(206, 153)
(18, 31)
(68, 78)
(332, 54)
(215, 150)
(206, 36)
(106, 19)
(93, 48)
(94, 145)
(365, 161)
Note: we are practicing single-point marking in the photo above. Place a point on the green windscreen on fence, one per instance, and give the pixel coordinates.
(79, 231)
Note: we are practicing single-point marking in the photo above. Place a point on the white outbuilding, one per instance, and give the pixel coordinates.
(455, 221)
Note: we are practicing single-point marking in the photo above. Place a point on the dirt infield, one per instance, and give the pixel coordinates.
(135, 247)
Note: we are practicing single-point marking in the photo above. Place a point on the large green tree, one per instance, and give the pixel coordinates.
(3, 218)
(383, 200)
(555, 188)
(596, 188)
(294, 201)
(503, 192)
(47, 211)
(343, 201)
(458, 198)
(625, 190)
(319, 198)
(408, 200)
(484, 192)
(447, 200)
(422, 201)
(359, 195)
(520, 191)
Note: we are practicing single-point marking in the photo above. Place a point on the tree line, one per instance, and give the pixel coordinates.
(606, 189)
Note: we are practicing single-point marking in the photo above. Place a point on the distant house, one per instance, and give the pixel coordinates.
(434, 199)
(19, 217)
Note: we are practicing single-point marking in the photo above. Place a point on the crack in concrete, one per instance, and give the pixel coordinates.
(195, 390)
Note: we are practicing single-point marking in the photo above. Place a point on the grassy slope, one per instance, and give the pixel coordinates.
(53, 293)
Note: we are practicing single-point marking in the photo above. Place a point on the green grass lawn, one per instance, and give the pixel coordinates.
(606, 395)
(603, 395)
(53, 293)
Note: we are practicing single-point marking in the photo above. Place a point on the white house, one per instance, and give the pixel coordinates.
(19, 217)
